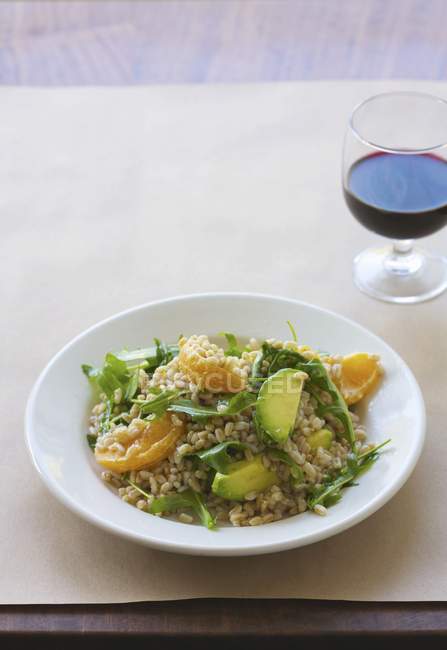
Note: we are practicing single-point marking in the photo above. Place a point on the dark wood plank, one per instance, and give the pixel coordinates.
(222, 619)
(56, 42)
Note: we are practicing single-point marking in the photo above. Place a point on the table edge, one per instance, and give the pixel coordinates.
(221, 618)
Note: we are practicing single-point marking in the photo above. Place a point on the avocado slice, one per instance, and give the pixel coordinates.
(278, 401)
(243, 477)
(322, 438)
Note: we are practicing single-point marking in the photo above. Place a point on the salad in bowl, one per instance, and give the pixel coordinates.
(228, 431)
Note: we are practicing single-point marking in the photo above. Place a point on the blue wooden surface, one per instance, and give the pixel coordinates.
(170, 41)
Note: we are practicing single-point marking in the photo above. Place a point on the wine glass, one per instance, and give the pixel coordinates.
(395, 184)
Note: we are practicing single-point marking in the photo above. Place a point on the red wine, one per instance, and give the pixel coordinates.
(402, 196)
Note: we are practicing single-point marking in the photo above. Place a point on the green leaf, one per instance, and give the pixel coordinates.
(187, 499)
(197, 412)
(104, 423)
(231, 406)
(159, 405)
(319, 380)
(110, 377)
(202, 511)
(374, 450)
(292, 330)
(265, 354)
(139, 365)
(132, 386)
(324, 494)
(275, 359)
(91, 441)
(191, 408)
(162, 353)
(286, 359)
(116, 373)
(137, 487)
(123, 416)
(218, 457)
(333, 498)
(295, 470)
(90, 372)
(237, 403)
(116, 366)
(173, 502)
(157, 355)
(233, 347)
(330, 491)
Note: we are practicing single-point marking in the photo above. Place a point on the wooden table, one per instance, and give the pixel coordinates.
(218, 623)
(175, 41)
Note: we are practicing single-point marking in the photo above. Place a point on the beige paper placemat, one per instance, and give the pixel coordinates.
(113, 197)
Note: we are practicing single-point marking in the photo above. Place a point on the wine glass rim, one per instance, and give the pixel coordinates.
(380, 147)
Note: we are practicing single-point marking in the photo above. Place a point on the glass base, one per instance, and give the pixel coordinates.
(403, 278)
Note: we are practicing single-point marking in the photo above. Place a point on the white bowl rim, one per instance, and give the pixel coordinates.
(254, 549)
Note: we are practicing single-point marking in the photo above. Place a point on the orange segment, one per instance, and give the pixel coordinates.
(360, 373)
(142, 444)
(206, 365)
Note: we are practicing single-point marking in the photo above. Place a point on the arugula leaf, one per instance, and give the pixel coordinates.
(104, 424)
(158, 355)
(292, 330)
(91, 441)
(123, 416)
(266, 353)
(163, 353)
(187, 499)
(237, 403)
(113, 375)
(117, 374)
(116, 366)
(173, 502)
(136, 487)
(202, 512)
(374, 450)
(90, 372)
(295, 470)
(140, 365)
(132, 387)
(329, 492)
(319, 380)
(196, 411)
(159, 405)
(286, 359)
(276, 360)
(332, 499)
(233, 349)
(218, 457)
(231, 406)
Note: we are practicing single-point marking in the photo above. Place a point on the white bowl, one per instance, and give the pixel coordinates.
(57, 411)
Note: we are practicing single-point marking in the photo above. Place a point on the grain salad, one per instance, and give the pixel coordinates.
(217, 432)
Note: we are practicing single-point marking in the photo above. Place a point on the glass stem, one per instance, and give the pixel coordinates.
(403, 246)
(403, 260)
